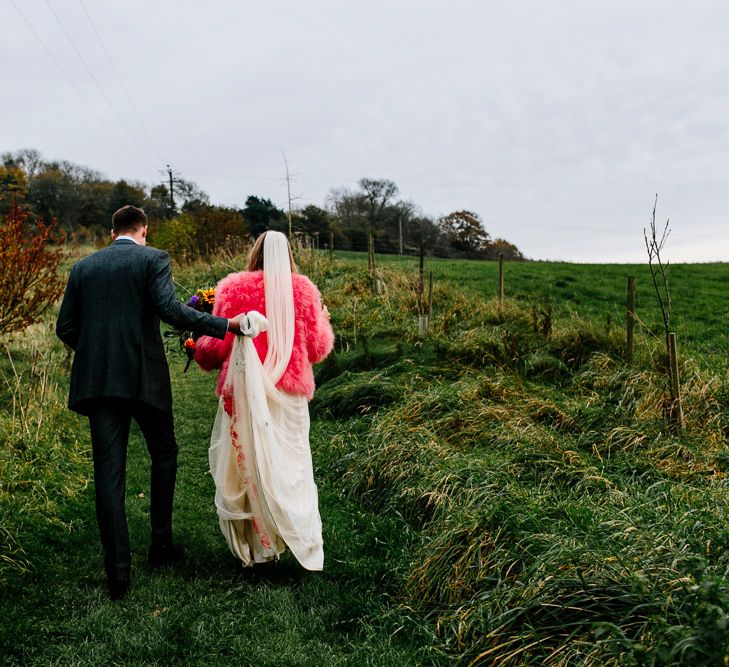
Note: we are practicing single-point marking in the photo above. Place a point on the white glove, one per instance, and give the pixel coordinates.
(253, 323)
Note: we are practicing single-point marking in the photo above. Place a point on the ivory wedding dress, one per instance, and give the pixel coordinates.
(259, 453)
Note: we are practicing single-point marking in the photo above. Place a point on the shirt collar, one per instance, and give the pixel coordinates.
(124, 237)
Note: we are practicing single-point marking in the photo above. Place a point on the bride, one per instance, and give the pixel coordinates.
(260, 459)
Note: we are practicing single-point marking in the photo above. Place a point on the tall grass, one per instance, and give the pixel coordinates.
(44, 455)
(532, 539)
(562, 522)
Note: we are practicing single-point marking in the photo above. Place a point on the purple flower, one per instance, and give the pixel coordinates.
(193, 300)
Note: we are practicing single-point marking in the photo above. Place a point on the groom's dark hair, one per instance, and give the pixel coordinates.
(128, 219)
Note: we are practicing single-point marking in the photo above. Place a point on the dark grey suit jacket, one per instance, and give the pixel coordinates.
(110, 316)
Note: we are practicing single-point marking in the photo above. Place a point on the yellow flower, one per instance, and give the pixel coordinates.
(209, 295)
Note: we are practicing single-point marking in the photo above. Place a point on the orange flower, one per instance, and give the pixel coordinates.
(189, 344)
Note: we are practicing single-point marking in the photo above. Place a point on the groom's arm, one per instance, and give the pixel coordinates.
(169, 308)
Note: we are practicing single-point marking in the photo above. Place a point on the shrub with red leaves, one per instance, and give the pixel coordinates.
(30, 254)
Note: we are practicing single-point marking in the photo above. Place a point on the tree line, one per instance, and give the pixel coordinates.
(185, 222)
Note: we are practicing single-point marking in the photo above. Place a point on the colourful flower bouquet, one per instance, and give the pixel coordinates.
(202, 300)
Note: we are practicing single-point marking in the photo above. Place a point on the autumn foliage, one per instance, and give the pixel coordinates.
(30, 253)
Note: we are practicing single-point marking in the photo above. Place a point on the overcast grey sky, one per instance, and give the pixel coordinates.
(556, 121)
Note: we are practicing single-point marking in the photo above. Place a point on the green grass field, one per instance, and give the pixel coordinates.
(700, 293)
(489, 495)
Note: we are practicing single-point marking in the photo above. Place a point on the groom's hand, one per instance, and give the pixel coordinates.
(235, 324)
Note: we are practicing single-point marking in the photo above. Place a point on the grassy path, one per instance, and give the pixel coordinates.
(206, 611)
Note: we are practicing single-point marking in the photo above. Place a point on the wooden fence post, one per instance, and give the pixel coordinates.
(631, 320)
(676, 409)
(430, 298)
(501, 284)
(370, 254)
(377, 284)
(331, 248)
(422, 315)
(421, 265)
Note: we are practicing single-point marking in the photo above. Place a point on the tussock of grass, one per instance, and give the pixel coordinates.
(355, 393)
(577, 343)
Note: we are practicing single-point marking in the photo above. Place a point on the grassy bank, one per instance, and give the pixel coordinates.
(562, 521)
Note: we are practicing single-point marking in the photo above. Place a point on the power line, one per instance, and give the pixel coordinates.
(121, 83)
(580, 186)
(72, 83)
(140, 147)
(493, 184)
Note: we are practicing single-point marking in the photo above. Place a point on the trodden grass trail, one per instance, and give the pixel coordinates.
(207, 611)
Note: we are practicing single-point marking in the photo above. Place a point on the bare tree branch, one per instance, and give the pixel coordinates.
(654, 246)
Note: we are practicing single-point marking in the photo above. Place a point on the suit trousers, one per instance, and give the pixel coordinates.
(110, 421)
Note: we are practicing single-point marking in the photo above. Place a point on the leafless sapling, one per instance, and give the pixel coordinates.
(659, 273)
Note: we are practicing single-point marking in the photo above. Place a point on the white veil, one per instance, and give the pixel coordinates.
(259, 453)
(279, 304)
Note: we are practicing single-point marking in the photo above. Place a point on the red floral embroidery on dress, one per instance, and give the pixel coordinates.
(265, 541)
(228, 401)
(239, 457)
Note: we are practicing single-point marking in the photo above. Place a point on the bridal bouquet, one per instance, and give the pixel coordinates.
(202, 300)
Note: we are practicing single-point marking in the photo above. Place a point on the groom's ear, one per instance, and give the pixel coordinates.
(113, 234)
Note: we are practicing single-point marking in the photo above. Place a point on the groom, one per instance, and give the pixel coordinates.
(110, 316)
